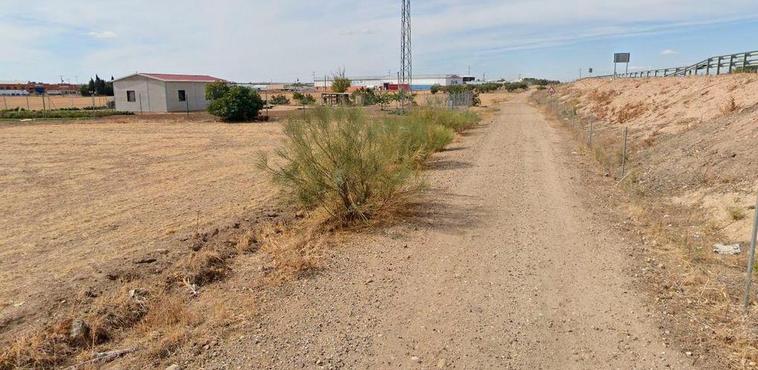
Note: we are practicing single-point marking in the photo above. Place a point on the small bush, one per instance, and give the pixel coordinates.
(458, 121)
(417, 138)
(303, 99)
(366, 97)
(279, 100)
(233, 103)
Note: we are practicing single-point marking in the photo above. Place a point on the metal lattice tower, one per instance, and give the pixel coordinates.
(406, 56)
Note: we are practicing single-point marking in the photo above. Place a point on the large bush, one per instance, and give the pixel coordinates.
(337, 160)
(354, 167)
(232, 103)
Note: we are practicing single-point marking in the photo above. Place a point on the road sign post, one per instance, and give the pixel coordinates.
(621, 58)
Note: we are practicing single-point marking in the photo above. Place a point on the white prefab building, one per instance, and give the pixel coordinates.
(161, 92)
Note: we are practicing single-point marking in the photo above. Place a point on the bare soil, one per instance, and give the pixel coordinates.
(87, 204)
(509, 262)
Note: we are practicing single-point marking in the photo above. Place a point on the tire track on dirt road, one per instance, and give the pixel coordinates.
(510, 270)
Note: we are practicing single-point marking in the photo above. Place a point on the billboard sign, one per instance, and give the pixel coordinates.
(621, 58)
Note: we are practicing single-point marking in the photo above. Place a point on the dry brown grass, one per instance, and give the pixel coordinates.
(297, 254)
(157, 309)
(121, 189)
(629, 112)
(730, 106)
(736, 212)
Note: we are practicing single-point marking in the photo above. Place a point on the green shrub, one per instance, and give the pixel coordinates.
(458, 121)
(747, 69)
(59, 113)
(279, 100)
(539, 81)
(487, 87)
(338, 160)
(513, 86)
(417, 138)
(232, 103)
(436, 88)
(303, 99)
(354, 167)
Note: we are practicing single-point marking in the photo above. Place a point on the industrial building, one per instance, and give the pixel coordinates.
(161, 92)
(420, 82)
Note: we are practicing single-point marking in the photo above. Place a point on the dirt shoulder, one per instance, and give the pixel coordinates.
(507, 264)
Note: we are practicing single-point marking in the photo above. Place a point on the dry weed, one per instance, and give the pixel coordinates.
(730, 106)
(735, 212)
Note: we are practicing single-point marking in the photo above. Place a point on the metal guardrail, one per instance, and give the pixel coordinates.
(723, 64)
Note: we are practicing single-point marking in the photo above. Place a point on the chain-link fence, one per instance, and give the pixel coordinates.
(53, 102)
(460, 100)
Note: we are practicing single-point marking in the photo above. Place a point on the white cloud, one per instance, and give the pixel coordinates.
(669, 52)
(103, 34)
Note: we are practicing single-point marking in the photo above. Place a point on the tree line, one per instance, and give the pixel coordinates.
(97, 86)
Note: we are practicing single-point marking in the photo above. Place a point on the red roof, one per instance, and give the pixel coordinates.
(175, 77)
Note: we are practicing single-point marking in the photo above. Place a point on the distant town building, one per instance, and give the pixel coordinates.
(420, 82)
(27, 88)
(161, 92)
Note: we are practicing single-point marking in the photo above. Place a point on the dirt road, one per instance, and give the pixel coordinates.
(508, 267)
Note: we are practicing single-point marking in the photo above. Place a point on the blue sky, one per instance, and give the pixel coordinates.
(287, 40)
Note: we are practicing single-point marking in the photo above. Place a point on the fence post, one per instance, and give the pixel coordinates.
(27, 102)
(5, 102)
(718, 67)
(744, 62)
(708, 68)
(751, 260)
(731, 62)
(623, 155)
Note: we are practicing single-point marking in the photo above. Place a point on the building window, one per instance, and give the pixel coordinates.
(130, 96)
(182, 95)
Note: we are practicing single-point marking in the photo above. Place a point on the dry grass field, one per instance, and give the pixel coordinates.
(82, 200)
(51, 102)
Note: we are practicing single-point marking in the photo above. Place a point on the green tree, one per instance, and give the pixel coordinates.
(232, 103)
(341, 84)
